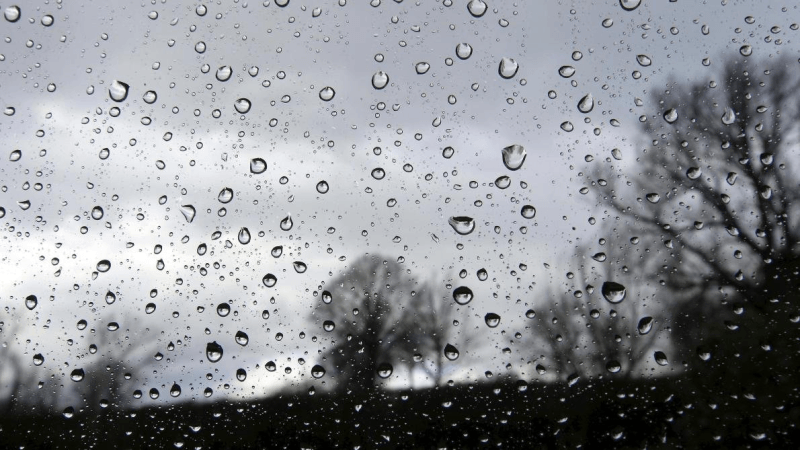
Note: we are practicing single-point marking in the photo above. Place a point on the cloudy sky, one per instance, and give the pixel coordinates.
(190, 142)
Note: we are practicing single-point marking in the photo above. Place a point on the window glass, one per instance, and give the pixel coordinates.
(399, 224)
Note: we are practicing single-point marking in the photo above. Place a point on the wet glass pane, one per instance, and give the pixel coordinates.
(400, 224)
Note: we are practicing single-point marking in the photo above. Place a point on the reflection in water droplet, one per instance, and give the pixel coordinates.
(213, 351)
(31, 301)
(224, 73)
(729, 116)
(277, 251)
(223, 309)
(492, 320)
(661, 358)
(328, 325)
(118, 91)
(462, 295)
(566, 71)
(241, 338)
(746, 50)
(175, 390)
(286, 223)
(645, 325)
(269, 280)
(483, 275)
(12, 13)
(448, 152)
(378, 173)
(327, 93)
(150, 97)
(317, 371)
(322, 187)
(629, 5)
(463, 50)
(462, 224)
(110, 298)
(97, 213)
(299, 266)
(514, 156)
(225, 195)
(694, 173)
(242, 105)
(502, 182)
(257, 166)
(567, 126)
(613, 292)
(38, 359)
(104, 265)
(385, 370)
(244, 236)
(643, 60)
(477, 7)
(528, 212)
(77, 375)
(188, 212)
(380, 79)
(422, 68)
(671, 115)
(586, 104)
(241, 374)
(508, 68)
(450, 352)
(653, 197)
(201, 249)
(613, 366)
(15, 155)
(326, 297)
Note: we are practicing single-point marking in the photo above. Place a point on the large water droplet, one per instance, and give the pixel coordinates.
(322, 187)
(224, 73)
(242, 105)
(653, 197)
(645, 325)
(225, 195)
(380, 79)
(422, 67)
(277, 251)
(566, 71)
(188, 212)
(528, 212)
(492, 320)
(694, 173)
(110, 298)
(104, 265)
(514, 156)
(12, 13)
(201, 249)
(728, 117)
(746, 50)
(31, 301)
(118, 91)
(15, 156)
(175, 390)
(477, 7)
(326, 297)
(327, 93)
(613, 292)
(586, 104)
(213, 351)
(463, 50)
(502, 182)
(613, 366)
(508, 68)
(317, 371)
(643, 60)
(671, 115)
(385, 370)
(450, 352)
(150, 97)
(97, 213)
(223, 309)
(661, 358)
(328, 325)
(629, 5)
(286, 223)
(257, 166)
(269, 280)
(77, 375)
(462, 224)
(462, 295)
(244, 236)
(38, 359)
(299, 266)
(241, 338)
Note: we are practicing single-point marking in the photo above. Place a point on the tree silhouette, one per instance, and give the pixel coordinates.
(710, 207)
(384, 318)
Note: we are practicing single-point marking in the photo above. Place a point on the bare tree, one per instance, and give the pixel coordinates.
(712, 205)
(382, 318)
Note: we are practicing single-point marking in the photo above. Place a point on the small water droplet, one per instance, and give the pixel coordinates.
(492, 320)
(653, 197)
(746, 50)
(9, 111)
(463, 225)
(38, 359)
(287, 224)
(514, 156)
(224, 73)
(175, 390)
(150, 97)
(15, 156)
(586, 104)
(277, 251)
(502, 182)
(244, 236)
(694, 173)
(257, 166)
(104, 265)
(643, 60)
(463, 50)
(201, 249)
(327, 298)
(242, 105)
(322, 187)
(241, 338)
(483, 274)
(77, 375)
(317, 371)
(225, 195)
(223, 309)
(385, 370)
(110, 298)
(380, 79)
(567, 126)
(728, 117)
(645, 325)
(671, 115)
(299, 266)
(508, 68)
(661, 358)
(566, 71)
(477, 7)
(528, 212)
(213, 351)
(422, 68)
(613, 366)
(188, 212)
(269, 280)
(327, 93)
(31, 301)
(450, 352)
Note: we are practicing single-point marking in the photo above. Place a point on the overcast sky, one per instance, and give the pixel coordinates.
(293, 53)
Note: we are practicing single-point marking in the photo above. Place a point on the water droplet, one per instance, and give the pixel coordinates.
(629, 5)
(508, 68)
(422, 67)
(653, 197)
(528, 212)
(38, 359)
(567, 126)
(175, 390)
(671, 115)
(110, 298)
(326, 297)
(462, 224)
(188, 212)
(15, 155)
(286, 223)
(463, 50)
(378, 173)
(608, 23)
(213, 351)
(269, 280)
(613, 366)
(661, 358)
(244, 236)
(513, 157)
(502, 182)
(694, 173)
(599, 257)
(97, 213)
(225, 195)
(586, 104)
(477, 7)
(282, 3)
(317, 371)
(201, 10)
(328, 325)
(277, 251)
(492, 320)
(731, 178)
(31, 301)
(150, 97)
(566, 71)
(385, 370)
(450, 352)
(257, 166)
(483, 275)
(322, 187)
(104, 266)
(462, 295)
(645, 325)
(448, 152)
(327, 93)
(729, 116)
(223, 309)
(299, 266)
(224, 73)
(9, 111)
(201, 249)
(380, 79)
(241, 338)
(613, 292)
(746, 50)
(118, 91)
(12, 13)
(242, 105)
